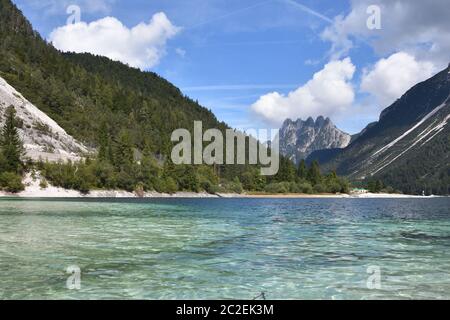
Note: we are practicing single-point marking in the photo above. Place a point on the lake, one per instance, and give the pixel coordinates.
(226, 248)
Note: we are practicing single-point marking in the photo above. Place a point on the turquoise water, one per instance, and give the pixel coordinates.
(225, 248)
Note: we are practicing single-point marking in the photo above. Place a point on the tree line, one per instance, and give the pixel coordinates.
(119, 166)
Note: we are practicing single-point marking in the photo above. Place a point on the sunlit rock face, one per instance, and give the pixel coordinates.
(298, 139)
(43, 138)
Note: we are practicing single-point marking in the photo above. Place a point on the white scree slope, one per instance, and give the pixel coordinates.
(43, 138)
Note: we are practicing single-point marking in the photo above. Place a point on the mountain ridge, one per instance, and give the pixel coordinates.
(407, 147)
(300, 138)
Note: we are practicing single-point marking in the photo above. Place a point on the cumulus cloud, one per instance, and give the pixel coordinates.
(390, 78)
(328, 92)
(141, 46)
(419, 28)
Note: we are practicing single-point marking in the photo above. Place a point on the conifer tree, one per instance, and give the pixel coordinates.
(103, 152)
(314, 175)
(124, 153)
(10, 143)
(302, 171)
(287, 170)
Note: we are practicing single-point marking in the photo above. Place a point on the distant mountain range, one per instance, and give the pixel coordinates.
(298, 139)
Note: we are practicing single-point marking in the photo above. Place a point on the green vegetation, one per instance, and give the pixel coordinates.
(306, 180)
(138, 177)
(118, 168)
(149, 175)
(375, 186)
(426, 170)
(11, 152)
(11, 182)
(378, 186)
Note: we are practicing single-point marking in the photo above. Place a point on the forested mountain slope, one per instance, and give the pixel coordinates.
(82, 92)
(103, 103)
(409, 147)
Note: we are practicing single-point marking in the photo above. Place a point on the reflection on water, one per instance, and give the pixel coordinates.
(225, 248)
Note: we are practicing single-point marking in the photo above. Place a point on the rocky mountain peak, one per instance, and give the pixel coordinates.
(320, 121)
(310, 122)
(298, 139)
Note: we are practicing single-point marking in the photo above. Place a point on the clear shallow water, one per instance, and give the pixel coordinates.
(225, 248)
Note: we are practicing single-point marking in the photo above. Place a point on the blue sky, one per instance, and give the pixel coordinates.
(242, 59)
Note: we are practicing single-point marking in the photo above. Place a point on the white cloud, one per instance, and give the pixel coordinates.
(419, 28)
(141, 46)
(390, 78)
(328, 93)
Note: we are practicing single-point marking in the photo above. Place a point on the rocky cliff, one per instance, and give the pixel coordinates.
(298, 139)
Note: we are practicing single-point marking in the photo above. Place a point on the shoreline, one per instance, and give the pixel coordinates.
(59, 193)
(34, 191)
(339, 196)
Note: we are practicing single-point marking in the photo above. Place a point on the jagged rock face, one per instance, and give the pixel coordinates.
(298, 139)
(43, 138)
